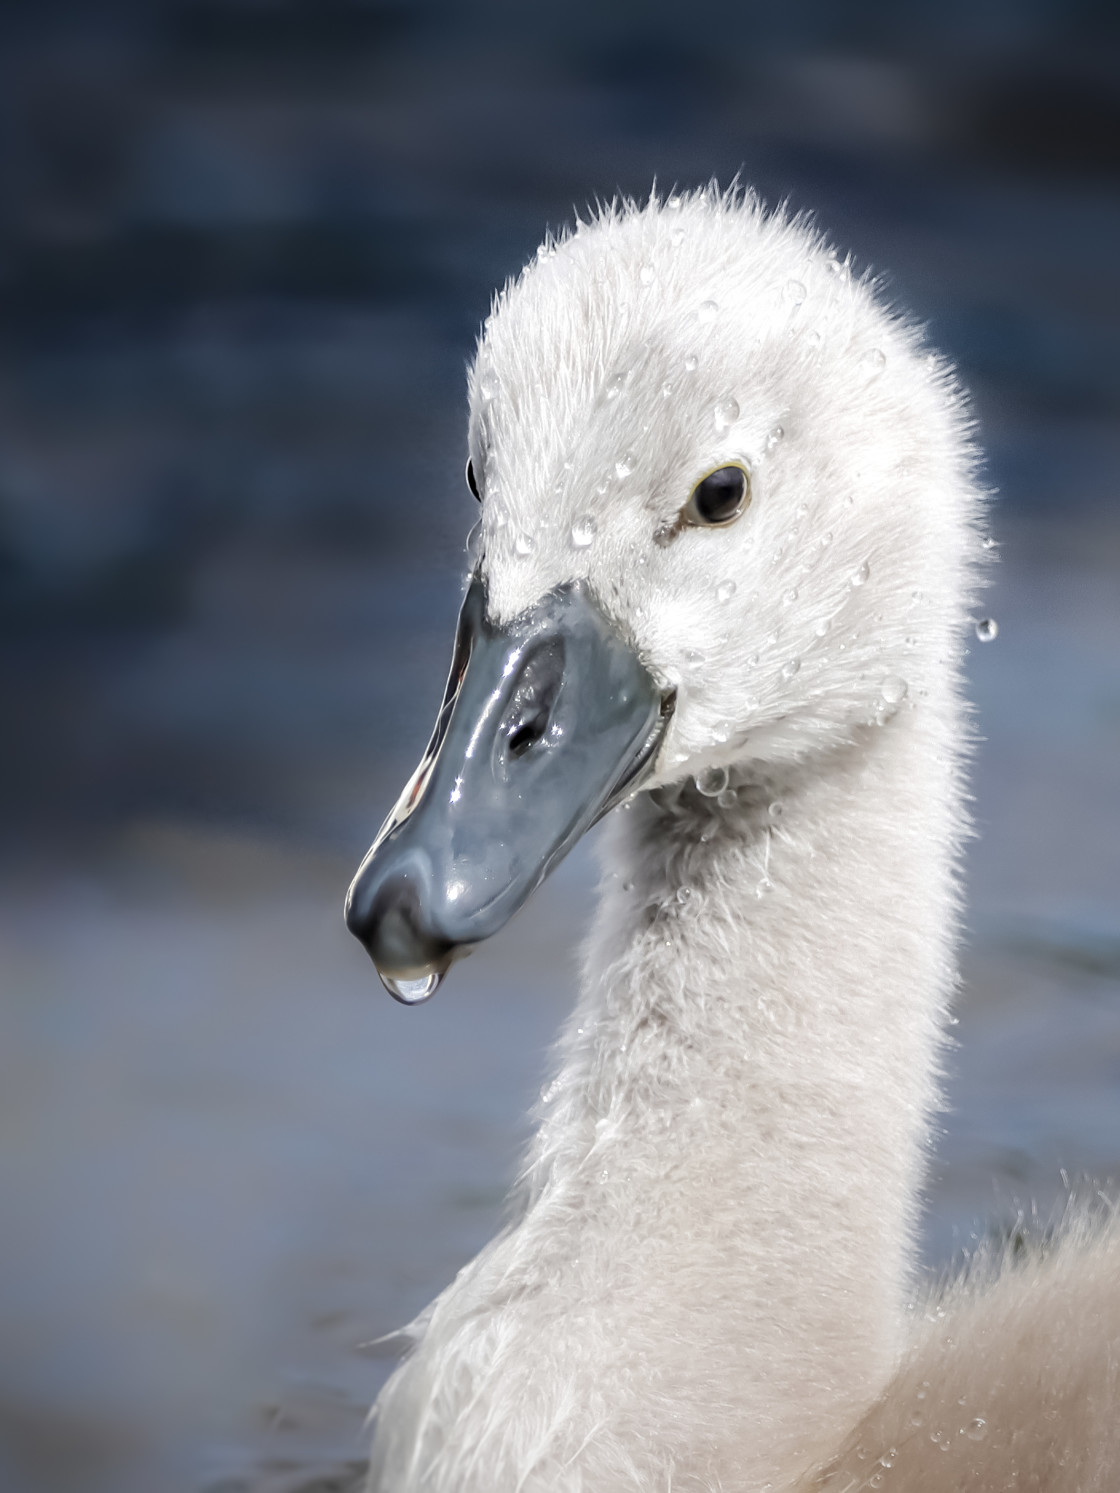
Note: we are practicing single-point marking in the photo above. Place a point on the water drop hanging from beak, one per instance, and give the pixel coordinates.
(411, 992)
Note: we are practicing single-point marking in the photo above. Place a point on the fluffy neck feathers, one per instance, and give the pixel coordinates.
(706, 1279)
(739, 1126)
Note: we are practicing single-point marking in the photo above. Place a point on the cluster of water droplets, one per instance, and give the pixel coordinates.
(886, 1461)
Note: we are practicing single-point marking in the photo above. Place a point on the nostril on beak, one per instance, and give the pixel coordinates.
(534, 697)
(527, 734)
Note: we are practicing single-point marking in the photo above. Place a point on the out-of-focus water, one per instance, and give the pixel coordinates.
(229, 1161)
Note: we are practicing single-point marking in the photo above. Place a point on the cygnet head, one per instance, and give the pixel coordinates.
(653, 346)
(727, 518)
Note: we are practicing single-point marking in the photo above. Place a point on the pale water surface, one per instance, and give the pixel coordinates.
(229, 1161)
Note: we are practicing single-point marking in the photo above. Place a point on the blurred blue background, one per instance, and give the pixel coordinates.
(245, 247)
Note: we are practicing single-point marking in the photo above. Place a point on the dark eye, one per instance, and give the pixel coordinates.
(471, 483)
(718, 498)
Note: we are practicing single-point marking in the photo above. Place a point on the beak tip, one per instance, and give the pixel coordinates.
(383, 912)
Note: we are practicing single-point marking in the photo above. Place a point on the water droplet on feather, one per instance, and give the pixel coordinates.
(711, 781)
(726, 413)
(583, 531)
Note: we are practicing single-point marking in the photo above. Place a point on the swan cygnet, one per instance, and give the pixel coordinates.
(729, 544)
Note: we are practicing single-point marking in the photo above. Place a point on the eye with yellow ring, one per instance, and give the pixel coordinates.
(719, 498)
(472, 481)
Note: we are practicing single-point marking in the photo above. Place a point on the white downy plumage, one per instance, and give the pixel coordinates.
(707, 1278)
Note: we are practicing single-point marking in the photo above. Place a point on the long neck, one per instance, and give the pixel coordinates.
(742, 1116)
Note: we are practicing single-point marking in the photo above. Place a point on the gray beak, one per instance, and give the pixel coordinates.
(546, 724)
